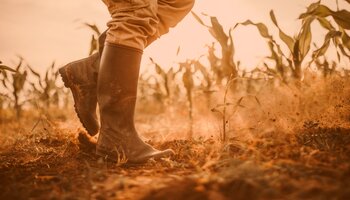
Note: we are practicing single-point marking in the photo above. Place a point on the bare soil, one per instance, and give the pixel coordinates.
(290, 146)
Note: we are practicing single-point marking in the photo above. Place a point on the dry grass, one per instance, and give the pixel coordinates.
(294, 143)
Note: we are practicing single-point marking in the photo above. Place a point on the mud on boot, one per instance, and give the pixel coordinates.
(117, 92)
(81, 78)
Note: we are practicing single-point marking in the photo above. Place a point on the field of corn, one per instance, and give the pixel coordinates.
(279, 131)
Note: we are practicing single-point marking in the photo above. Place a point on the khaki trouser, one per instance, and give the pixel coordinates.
(137, 23)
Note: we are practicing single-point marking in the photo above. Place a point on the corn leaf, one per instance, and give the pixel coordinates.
(320, 11)
(305, 37)
(199, 19)
(178, 50)
(323, 49)
(34, 72)
(313, 6)
(263, 30)
(342, 49)
(19, 80)
(345, 39)
(4, 67)
(94, 28)
(19, 64)
(158, 68)
(93, 45)
(325, 23)
(342, 18)
(231, 45)
(218, 31)
(289, 41)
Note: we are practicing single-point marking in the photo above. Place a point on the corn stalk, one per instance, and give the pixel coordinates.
(45, 89)
(15, 86)
(188, 82)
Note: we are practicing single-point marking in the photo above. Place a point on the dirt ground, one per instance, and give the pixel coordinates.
(42, 158)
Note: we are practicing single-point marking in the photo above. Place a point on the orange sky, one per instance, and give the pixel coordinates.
(42, 30)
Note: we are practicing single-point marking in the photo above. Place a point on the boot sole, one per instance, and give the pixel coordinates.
(68, 84)
(106, 154)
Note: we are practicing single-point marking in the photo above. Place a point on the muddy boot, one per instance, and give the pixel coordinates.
(81, 78)
(117, 89)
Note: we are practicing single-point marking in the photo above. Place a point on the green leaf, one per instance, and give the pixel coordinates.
(289, 41)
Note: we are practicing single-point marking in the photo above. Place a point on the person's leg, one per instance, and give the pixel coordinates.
(132, 22)
(169, 13)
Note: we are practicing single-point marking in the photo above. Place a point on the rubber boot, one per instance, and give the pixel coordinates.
(116, 93)
(81, 78)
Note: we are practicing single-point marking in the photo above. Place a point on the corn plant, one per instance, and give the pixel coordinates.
(187, 79)
(4, 68)
(326, 67)
(225, 66)
(207, 80)
(298, 46)
(3, 74)
(222, 109)
(45, 91)
(339, 36)
(14, 83)
(164, 87)
(94, 42)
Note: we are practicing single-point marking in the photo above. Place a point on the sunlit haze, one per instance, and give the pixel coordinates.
(43, 31)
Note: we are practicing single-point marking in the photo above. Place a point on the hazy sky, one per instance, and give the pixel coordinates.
(46, 30)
